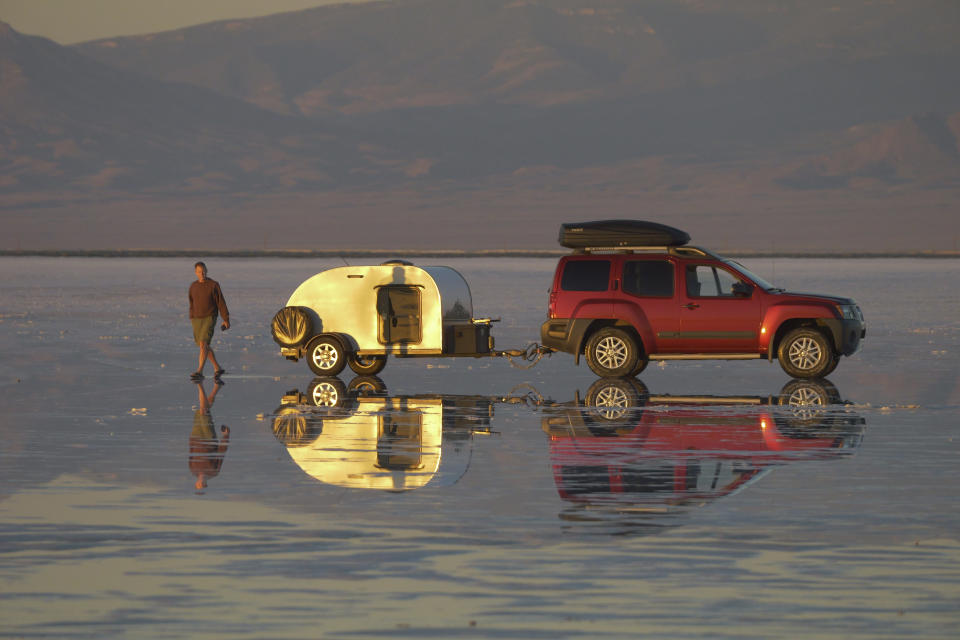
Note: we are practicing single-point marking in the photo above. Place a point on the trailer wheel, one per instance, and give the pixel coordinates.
(367, 387)
(325, 356)
(366, 365)
(328, 392)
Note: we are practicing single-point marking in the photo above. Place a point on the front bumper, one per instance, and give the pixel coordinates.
(848, 335)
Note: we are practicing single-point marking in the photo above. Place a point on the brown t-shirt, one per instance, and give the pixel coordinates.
(206, 298)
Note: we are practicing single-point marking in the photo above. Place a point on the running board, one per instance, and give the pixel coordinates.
(705, 356)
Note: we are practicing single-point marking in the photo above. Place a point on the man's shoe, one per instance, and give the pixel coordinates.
(196, 375)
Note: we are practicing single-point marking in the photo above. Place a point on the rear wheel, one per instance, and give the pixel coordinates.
(612, 353)
(806, 353)
(614, 399)
(325, 356)
(366, 365)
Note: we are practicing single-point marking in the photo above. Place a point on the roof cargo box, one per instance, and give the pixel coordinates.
(620, 233)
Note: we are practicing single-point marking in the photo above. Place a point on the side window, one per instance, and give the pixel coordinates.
(704, 281)
(648, 278)
(586, 275)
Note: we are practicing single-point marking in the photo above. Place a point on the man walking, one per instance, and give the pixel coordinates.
(206, 300)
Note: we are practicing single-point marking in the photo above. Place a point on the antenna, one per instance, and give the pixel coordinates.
(344, 260)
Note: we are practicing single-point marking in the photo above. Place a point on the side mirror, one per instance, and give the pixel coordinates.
(742, 290)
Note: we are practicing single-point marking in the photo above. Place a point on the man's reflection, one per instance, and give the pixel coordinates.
(206, 450)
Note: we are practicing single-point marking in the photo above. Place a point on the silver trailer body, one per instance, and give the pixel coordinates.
(395, 309)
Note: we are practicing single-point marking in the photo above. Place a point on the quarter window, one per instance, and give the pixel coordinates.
(650, 278)
(586, 275)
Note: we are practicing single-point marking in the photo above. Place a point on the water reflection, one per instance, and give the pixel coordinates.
(626, 456)
(206, 450)
(357, 436)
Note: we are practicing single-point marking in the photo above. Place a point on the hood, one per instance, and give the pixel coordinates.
(817, 296)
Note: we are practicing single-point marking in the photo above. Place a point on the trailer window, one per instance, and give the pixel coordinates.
(586, 275)
(399, 311)
(648, 278)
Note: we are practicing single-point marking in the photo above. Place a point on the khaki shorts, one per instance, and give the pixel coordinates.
(203, 329)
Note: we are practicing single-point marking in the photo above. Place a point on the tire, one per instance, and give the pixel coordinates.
(367, 387)
(291, 326)
(616, 399)
(366, 365)
(612, 353)
(806, 407)
(328, 392)
(833, 365)
(326, 356)
(802, 392)
(806, 353)
(294, 428)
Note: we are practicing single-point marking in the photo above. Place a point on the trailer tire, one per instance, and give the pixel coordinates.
(291, 326)
(326, 356)
(366, 365)
(329, 392)
(295, 428)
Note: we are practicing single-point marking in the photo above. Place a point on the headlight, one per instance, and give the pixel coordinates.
(848, 311)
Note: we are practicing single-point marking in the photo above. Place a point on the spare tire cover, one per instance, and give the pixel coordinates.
(291, 326)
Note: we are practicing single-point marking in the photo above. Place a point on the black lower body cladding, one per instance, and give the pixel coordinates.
(620, 233)
(566, 335)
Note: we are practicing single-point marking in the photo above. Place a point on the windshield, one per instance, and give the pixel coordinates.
(763, 284)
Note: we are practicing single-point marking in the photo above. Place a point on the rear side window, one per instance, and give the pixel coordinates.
(586, 275)
(651, 278)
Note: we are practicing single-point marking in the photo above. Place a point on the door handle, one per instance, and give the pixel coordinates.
(692, 305)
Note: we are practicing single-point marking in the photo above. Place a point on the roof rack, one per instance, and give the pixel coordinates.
(675, 251)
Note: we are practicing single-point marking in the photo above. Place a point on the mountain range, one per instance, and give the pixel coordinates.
(491, 121)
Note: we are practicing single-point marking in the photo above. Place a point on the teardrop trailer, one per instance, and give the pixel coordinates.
(360, 315)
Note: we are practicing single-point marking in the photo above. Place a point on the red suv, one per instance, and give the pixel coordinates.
(622, 302)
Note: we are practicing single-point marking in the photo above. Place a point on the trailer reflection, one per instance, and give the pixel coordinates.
(626, 457)
(357, 436)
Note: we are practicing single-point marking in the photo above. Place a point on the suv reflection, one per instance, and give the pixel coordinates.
(625, 450)
(357, 436)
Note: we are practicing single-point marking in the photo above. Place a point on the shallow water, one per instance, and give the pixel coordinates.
(462, 496)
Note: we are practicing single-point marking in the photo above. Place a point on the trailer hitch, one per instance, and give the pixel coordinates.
(530, 356)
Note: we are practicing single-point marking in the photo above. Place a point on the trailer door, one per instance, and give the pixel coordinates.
(398, 307)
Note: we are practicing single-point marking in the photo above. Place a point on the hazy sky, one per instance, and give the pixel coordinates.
(69, 21)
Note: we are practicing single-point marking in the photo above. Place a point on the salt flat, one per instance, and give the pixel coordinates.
(541, 519)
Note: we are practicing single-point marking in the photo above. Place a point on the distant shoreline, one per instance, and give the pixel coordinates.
(421, 253)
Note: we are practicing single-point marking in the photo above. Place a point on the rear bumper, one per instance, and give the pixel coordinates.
(565, 334)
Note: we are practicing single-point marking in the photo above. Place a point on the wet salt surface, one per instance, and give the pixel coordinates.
(514, 509)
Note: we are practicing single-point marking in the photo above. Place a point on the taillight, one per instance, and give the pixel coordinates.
(552, 308)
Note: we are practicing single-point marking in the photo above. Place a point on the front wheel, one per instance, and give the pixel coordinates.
(366, 365)
(612, 353)
(806, 353)
(325, 356)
